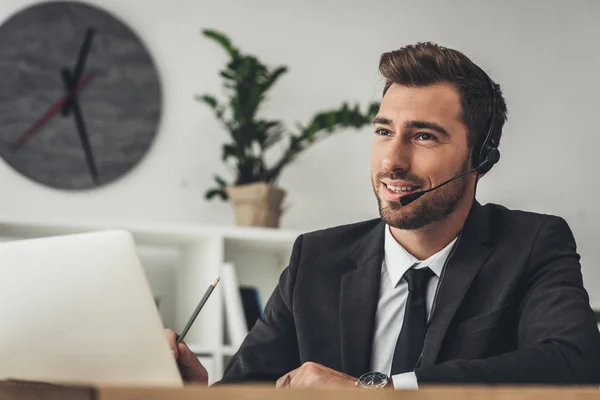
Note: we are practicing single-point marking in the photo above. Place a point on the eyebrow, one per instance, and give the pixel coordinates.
(414, 125)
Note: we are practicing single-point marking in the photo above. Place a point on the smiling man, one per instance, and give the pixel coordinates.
(439, 289)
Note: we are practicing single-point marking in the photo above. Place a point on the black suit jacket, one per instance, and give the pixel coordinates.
(511, 306)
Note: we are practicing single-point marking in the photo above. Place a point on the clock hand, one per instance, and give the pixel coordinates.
(79, 65)
(25, 136)
(83, 135)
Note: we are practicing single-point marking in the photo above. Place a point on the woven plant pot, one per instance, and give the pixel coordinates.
(256, 204)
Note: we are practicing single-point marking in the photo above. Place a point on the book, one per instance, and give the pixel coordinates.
(234, 310)
(252, 305)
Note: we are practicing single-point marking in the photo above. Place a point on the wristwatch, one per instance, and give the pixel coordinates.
(373, 380)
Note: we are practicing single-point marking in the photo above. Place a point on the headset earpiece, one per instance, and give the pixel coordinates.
(487, 154)
(493, 156)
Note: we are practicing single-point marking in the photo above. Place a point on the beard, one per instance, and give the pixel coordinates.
(431, 207)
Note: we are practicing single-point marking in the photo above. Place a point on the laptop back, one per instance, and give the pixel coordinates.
(78, 309)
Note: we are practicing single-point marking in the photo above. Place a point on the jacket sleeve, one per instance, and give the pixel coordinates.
(558, 338)
(270, 350)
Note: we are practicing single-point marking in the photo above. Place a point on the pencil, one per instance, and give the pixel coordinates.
(197, 310)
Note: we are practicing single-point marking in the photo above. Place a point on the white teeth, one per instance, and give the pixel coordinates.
(400, 188)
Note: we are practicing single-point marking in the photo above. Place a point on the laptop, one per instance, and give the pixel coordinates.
(77, 309)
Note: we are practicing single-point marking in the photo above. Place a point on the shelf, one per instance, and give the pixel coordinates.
(201, 350)
(158, 233)
(206, 351)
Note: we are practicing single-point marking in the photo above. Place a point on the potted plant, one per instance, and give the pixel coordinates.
(254, 191)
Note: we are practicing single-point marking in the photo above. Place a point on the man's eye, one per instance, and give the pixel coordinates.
(426, 136)
(382, 132)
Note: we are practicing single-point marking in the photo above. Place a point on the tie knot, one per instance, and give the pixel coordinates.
(417, 279)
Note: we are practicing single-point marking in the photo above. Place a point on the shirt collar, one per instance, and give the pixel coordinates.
(398, 260)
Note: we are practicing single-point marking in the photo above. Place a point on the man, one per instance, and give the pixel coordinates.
(441, 289)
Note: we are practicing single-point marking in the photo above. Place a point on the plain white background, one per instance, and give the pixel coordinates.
(544, 54)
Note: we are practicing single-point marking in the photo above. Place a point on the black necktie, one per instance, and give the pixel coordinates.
(410, 341)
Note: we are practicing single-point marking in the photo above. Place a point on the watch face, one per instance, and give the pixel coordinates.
(373, 379)
(79, 95)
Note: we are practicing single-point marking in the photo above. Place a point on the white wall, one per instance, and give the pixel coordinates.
(545, 54)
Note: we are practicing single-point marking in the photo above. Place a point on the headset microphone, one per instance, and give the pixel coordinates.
(491, 159)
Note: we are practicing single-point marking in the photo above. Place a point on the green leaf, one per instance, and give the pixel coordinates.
(272, 78)
(223, 40)
(216, 192)
(220, 181)
(228, 75)
(208, 99)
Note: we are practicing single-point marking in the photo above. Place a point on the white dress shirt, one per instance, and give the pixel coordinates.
(393, 295)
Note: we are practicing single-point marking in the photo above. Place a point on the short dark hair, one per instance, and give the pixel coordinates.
(427, 63)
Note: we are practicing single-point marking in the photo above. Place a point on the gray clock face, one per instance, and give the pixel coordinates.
(80, 97)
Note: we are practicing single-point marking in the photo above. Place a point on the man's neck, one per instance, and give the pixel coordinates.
(424, 242)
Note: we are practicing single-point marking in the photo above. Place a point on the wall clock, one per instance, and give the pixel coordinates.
(80, 97)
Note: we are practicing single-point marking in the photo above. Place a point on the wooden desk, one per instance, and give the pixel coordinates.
(431, 393)
(12, 391)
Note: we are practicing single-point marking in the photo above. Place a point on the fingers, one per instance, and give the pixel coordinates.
(312, 374)
(186, 356)
(190, 366)
(286, 380)
(172, 338)
(283, 382)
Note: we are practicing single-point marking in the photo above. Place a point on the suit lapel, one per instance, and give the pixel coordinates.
(461, 269)
(359, 296)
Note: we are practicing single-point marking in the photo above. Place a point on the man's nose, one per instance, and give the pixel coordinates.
(397, 155)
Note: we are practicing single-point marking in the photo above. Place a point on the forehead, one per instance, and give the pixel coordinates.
(439, 103)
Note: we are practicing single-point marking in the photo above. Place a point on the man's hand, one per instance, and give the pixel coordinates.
(312, 375)
(190, 368)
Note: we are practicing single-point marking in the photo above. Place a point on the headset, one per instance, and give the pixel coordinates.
(486, 153)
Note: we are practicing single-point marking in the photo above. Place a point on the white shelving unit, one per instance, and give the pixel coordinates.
(180, 262)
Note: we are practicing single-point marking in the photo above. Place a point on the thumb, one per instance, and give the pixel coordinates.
(172, 339)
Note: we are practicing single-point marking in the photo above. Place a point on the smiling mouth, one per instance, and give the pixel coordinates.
(401, 189)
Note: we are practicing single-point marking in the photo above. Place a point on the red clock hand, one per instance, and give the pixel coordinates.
(25, 136)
